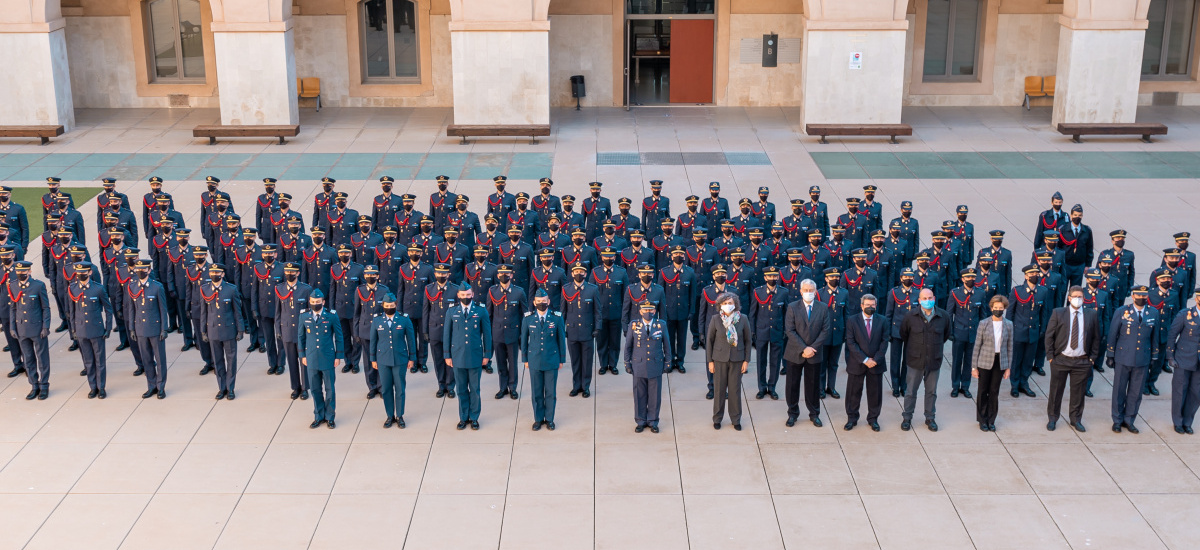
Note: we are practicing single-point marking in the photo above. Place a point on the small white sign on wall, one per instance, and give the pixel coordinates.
(855, 61)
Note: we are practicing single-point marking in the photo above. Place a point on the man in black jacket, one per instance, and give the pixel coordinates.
(1072, 344)
(924, 332)
(807, 326)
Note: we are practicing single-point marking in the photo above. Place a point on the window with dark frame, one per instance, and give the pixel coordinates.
(175, 41)
(390, 50)
(1170, 37)
(952, 37)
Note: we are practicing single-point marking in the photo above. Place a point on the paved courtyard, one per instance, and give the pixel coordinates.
(189, 472)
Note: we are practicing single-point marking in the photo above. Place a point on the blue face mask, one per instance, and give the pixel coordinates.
(927, 304)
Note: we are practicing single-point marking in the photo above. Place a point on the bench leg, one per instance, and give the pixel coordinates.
(212, 140)
(464, 141)
(318, 103)
(281, 140)
(1076, 139)
(533, 140)
(823, 141)
(893, 141)
(1146, 138)
(45, 140)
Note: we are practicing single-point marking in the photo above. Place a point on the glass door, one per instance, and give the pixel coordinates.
(652, 65)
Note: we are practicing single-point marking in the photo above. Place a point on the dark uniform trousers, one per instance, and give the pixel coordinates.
(1127, 392)
(854, 391)
(508, 370)
(544, 384)
(154, 357)
(769, 355)
(371, 375)
(445, 376)
(677, 331)
(647, 399)
(392, 383)
(253, 321)
(1062, 368)
(898, 365)
(608, 343)
(36, 352)
(188, 329)
(269, 340)
(352, 345)
(14, 350)
(582, 355)
(960, 364)
(95, 361)
(1185, 396)
(324, 396)
(422, 352)
(829, 368)
(297, 372)
(810, 372)
(224, 362)
(1022, 364)
(205, 347)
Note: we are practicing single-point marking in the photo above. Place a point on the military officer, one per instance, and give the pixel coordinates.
(858, 280)
(164, 212)
(14, 215)
(480, 273)
(1160, 297)
(50, 199)
(1056, 293)
(871, 209)
(439, 297)
(647, 357)
(910, 229)
(881, 259)
(680, 289)
(506, 303)
(150, 201)
(708, 308)
(778, 245)
(441, 203)
(835, 297)
(768, 304)
(900, 302)
(212, 224)
(728, 241)
(414, 276)
(596, 210)
(610, 283)
(966, 308)
(714, 208)
(986, 279)
(644, 290)
(71, 218)
(701, 256)
(367, 303)
(571, 220)
(391, 353)
(757, 256)
(1122, 265)
(635, 255)
(265, 276)
(408, 220)
(345, 276)
(465, 221)
(1050, 220)
(548, 277)
(854, 224)
(389, 256)
(523, 219)
(1029, 309)
(385, 205)
(264, 206)
(1187, 261)
(1183, 341)
(1057, 255)
(1132, 348)
(1076, 242)
(608, 237)
(816, 210)
(146, 300)
(691, 220)
(654, 208)
(1172, 266)
(543, 345)
(944, 262)
(340, 222)
(578, 252)
(7, 265)
(553, 238)
(320, 349)
(1002, 260)
(197, 276)
(291, 302)
(793, 272)
(241, 274)
(452, 253)
(500, 203)
(92, 315)
(581, 311)
(1096, 298)
(7, 239)
(365, 240)
(814, 256)
(318, 259)
(624, 222)
(518, 255)
(544, 203)
(224, 326)
(228, 239)
(491, 238)
(763, 209)
(281, 218)
(664, 241)
(467, 333)
(323, 201)
(29, 325)
(796, 225)
(741, 276)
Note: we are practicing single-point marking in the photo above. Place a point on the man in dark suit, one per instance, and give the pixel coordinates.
(924, 331)
(1072, 343)
(1182, 343)
(807, 326)
(867, 337)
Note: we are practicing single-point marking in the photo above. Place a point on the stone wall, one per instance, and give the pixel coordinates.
(752, 85)
(580, 44)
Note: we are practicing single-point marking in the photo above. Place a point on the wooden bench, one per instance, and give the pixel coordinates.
(43, 132)
(1145, 130)
(891, 130)
(515, 130)
(214, 131)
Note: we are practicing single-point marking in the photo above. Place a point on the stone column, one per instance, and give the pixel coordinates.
(500, 51)
(836, 93)
(256, 66)
(1100, 60)
(35, 82)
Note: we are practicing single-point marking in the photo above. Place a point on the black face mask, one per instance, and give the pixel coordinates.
(290, 277)
(294, 230)
(318, 241)
(795, 263)
(906, 282)
(962, 217)
(869, 310)
(578, 241)
(414, 257)
(737, 261)
(608, 262)
(344, 259)
(1105, 268)
(480, 259)
(441, 279)
(719, 279)
(547, 263)
(969, 283)
(776, 235)
(408, 206)
(860, 263)
(647, 278)
(426, 229)
(221, 207)
(625, 211)
(340, 204)
(500, 189)
(514, 238)
(22, 277)
(370, 279)
(364, 229)
(832, 283)
(814, 242)
(1119, 243)
(635, 244)
(64, 240)
(490, 227)
(269, 259)
(677, 260)
(285, 206)
(390, 240)
(726, 232)
(1032, 280)
(115, 243)
(81, 277)
(609, 231)
(923, 265)
(143, 275)
(249, 241)
(216, 279)
(579, 277)
(212, 187)
(441, 187)
(772, 282)
(746, 211)
(504, 278)
(327, 187)
(389, 311)
(164, 207)
(1139, 302)
(464, 301)
(522, 206)
(553, 227)
(542, 307)
(1182, 245)
(756, 240)
(595, 194)
(316, 308)
(985, 266)
(386, 188)
(462, 207)
(997, 313)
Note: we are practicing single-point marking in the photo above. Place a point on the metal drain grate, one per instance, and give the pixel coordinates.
(618, 159)
(706, 159)
(750, 158)
(662, 159)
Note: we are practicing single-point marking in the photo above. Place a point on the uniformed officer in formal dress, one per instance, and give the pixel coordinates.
(900, 302)
(1122, 264)
(467, 334)
(412, 278)
(345, 276)
(29, 325)
(581, 310)
(197, 276)
(323, 201)
(291, 302)
(768, 304)
(368, 302)
(610, 281)
(1132, 338)
(966, 308)
(439, 297)
(14, 215)
(92, 316)
(647, 357)
(835, 297)
(392, 352)
(224, 326)
(1161, 296)
(548, 277)
(385, 205)
(264, 276)
(910, 229)
(266, 204)
(1029, 309)
(8, 263)
(146, 301)
(365, 240)
(655, 208)
(1100, 300)
(544, 352)
(701, 256)
(321, 349)
(1183, 354)
(678, 281)
(506, 304)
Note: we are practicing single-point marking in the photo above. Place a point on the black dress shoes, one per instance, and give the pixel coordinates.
(149, 394)
(513, 395)
(774, 395)
(74, 346)
(1088, 393)
(315, 424)
(695, 345)
(424, 368)
(102, 394)
(184, 348)
(737, 427)
(82, 372)
(709, 395)
(1167, 369)
(906, 425)
(462, 425)
(1116, 427)
(346, 369)
(874, 426)
(331, 424)
(895, 393)
(716, 425)
(1179, 430)
(414, 368)
(816, 421)
(450, 394)
(791, 422)
(1028, 392)
(682, 369)
(1041, 371)
(587, 394)
(206, 369)
(761, 394)
(833, 393)
(43, 395)
(575, 392)
(140, 371)
(31, 395)
(487, 368)
(931, 425)
(17, 371)
(92, 395)
(124, 346)
(1051, 425)
(373, 394)
(849, 426)
(220, 395)
(440, 393)
(62, 327)
(304, 395)
(983, 427)
(1188, 430)
(1078, 426)
(162, 394)
(1015, 393)
(400, 422)
(1153, 390)
(653, 429)
(229, 396)
(474, 424)
(500, 394)
(295, 394)
(639, 428)
(1132, 429)
(967, 394)
(537, 426)
(954, 392)
(550, 425)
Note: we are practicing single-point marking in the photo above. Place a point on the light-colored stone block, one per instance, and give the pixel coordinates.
(501, 77)
(1099, 72)
(835, 93)
(259, 88)
(35, 80)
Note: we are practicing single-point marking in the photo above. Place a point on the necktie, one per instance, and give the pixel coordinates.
(868, 327)
(808, 310)
(1074, 331)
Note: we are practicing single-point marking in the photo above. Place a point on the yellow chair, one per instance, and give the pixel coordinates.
(309, 87)
(1048, 86)
(1033, 88)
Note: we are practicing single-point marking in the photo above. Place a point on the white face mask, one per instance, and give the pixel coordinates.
(727, 308)
(1076, 303)
(808, 296)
